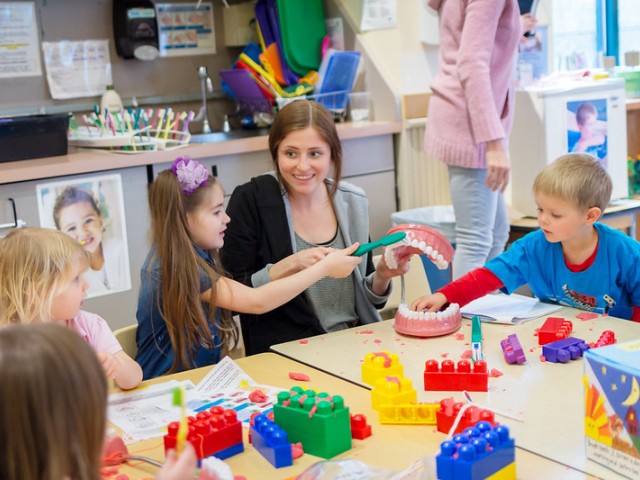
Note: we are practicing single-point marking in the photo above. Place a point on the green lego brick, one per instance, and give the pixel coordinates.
(317, 420)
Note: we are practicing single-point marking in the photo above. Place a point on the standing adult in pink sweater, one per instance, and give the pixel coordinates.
(470, 117)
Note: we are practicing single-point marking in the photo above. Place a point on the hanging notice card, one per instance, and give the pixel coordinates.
(378, 14)
(186, 29)
(77, 69)
(19, 52)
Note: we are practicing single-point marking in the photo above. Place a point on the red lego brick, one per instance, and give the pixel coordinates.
(449, 410)
(450, 379)
(554, 328)
(360, 429)
(210, 432)
(607, 337)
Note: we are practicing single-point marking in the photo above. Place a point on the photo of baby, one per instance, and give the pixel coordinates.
(587, 128)
(91, 211)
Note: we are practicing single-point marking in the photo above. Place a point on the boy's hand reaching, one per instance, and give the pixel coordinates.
(179, 468)
(430, 303)
(340, 263)
(110, 364)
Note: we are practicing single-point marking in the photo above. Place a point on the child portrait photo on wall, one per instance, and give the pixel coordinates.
(587, 128)
(91, 211)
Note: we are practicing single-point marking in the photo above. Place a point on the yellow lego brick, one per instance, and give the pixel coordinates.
(506, 473)
(409, 414)
(380, 364)
(392, 391)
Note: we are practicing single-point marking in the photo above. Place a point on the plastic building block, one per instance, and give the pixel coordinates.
(607, 337)
(564, 350)
(409, 414)
(478, 453)
(448, 413)
(360, 429)
(447, 377)
(271, 442)
(391, 391)
(512, 350)
(317, 420)
(380, 364)
(554, 328)
(215, 432)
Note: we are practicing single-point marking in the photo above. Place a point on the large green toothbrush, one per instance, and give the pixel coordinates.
(383, 242)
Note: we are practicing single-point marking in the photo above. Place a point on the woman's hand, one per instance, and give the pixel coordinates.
(498, 166)
(431, 303)
(384, 274)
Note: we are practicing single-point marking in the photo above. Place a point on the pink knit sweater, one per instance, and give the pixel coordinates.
(473, 97)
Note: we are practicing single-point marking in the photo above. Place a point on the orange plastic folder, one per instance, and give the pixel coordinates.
(302, 29)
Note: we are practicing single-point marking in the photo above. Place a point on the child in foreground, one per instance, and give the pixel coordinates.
(53, 408)
(185, 301)
(42, 281)
(571, 260)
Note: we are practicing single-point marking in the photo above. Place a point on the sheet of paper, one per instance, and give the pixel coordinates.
(19, 45)
(377, 14)
(186, 29)
(501, 308)
(225, 376)
(77, 69)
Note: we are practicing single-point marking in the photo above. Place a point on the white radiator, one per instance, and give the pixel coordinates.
(421, 182)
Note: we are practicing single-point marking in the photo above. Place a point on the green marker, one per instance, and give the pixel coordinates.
(383, 242)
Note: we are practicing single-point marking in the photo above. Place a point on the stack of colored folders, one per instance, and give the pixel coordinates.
(293, 47)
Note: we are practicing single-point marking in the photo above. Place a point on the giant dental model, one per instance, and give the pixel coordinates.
(422, 240)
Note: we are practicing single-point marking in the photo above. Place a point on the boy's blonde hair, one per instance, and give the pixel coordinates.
(35, 264)
(577, 178)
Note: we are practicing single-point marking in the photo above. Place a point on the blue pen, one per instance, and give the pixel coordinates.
(476, 339)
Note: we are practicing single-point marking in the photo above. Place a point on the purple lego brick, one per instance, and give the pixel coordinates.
(512, 350)
(561, 351)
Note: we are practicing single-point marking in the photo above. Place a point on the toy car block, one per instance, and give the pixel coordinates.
(447, 377)
(448, 412)
(380, 364)
(607, 337)
(478, 453)
(271, 442)
(318, 420)
(554, 328)
(392, 390)
(564, 350)
(214, 432)
(512, 350)
(408, 414)
(360, 429)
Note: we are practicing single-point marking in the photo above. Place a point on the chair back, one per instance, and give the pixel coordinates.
(127, 338)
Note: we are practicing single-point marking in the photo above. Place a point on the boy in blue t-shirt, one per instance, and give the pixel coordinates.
(571, 260)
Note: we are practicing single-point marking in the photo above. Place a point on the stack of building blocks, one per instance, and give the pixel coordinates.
(317, 420)
(512, 350)
(409, 414)
(215, 432)
(271, 442)
(392, 391)
(564, 350)
(608, 337)
(360, 429)
(448, 412)
(379, 365)
(481, 452)
(554, 328)
(448, 378)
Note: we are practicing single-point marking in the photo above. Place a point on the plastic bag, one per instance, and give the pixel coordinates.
(422, 469)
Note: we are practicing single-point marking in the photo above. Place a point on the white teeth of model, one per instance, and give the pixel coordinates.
(439, 315)
(428, 250)
(415, 243)
(422, 246)
(440, 258)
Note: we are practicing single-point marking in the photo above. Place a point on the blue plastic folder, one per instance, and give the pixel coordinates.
(339, 76)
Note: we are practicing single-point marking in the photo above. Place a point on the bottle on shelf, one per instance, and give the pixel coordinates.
(111, 100)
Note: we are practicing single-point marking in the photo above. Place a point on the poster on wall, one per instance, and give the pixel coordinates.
(186, 29)
(19, 48)
(91, 211)
(587, 128)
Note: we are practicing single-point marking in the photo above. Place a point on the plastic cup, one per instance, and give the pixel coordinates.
(360, 103)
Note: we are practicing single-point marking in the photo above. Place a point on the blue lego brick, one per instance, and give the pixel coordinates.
(230, 452)
(271, 442)
(561, 351)
(476, 454)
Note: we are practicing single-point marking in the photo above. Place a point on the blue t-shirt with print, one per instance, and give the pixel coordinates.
(610, 285)
(155, 352)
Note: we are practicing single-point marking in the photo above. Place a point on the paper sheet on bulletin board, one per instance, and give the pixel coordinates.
(77, 69)
(378, 14)
(186, 29)
(19, 46)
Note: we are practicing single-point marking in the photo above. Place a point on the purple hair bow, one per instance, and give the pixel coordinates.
(191, 174)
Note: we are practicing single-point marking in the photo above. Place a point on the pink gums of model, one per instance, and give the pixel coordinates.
(422, 240)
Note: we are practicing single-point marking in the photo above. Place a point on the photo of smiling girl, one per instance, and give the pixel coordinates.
(77, 212)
